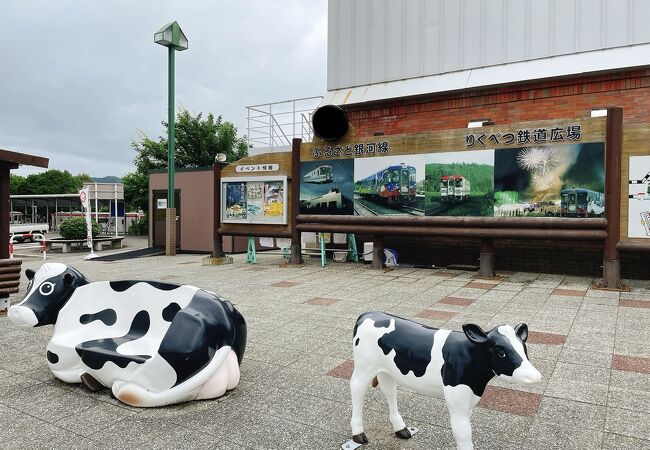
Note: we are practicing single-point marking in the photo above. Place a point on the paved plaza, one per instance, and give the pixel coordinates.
(591, 346)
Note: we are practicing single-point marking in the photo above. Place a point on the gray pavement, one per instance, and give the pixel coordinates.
(591, 346)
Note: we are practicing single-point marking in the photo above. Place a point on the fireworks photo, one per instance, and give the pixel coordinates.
(556, 180)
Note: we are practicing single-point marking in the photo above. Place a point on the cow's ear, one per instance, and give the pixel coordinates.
(474, 333)
(521, 331)
(68, 280)
(29, 273)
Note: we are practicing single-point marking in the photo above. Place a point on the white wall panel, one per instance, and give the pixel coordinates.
(413, 36)
(493, 33)
(394, 35)
(639, 18)
(472, 24)
(563, 26)
(377, 17)
(589, 25)
(516, 26)
(376, 41)
(539, 29)
(431, 32)
(347, 42)
(615, 13)
(361, 42)
(451, 38)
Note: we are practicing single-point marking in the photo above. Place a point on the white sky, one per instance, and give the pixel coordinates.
(468, 157)
(79, 78)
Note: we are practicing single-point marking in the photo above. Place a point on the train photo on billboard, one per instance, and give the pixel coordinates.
(332, 200)
(454, 188)
(577, 202)
(394, 184)
(320, 175)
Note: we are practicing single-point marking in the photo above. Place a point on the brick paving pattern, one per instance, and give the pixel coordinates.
(592, 348)
(456, 301)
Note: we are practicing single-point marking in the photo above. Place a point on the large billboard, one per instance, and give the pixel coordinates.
(558, 180)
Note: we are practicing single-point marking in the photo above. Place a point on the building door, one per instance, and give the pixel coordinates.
(159, 211)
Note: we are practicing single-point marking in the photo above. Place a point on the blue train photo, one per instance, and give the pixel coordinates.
(393, 185)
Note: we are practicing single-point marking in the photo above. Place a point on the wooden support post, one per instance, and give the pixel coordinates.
(377, 252)
(296, 245)
(486, 264)
(218, 257)
(4, 209)
(217, 251)
(170, 232)
(613, 155)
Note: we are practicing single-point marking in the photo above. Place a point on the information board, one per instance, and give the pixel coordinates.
(257, 200)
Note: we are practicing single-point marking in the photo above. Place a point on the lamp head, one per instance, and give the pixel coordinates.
(171, 36)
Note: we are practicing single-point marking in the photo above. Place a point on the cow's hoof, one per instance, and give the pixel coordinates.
(403, 434)
(360, 438)
(91, 383)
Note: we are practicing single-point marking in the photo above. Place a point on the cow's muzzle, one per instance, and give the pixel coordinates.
(527, 374)
(22, 316)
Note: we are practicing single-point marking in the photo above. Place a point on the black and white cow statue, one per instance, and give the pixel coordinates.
(453, 365)
(151, 343)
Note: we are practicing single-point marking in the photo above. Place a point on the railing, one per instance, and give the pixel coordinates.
(276, 124)
(34, 237)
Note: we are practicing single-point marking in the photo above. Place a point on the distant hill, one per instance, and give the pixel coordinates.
(109, 179)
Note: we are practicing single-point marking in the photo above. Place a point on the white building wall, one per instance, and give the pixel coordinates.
(378, 41)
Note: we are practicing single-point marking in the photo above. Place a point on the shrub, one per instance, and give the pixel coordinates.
(139, 227)
(75, 228)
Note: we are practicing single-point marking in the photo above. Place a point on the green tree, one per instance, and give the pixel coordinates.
(16, 183)
(50, 182)
(198, 140)
(136, 191)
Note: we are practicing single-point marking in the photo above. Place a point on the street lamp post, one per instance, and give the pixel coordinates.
(172, 37)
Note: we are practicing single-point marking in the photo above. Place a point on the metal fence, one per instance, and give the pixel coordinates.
(275, 124)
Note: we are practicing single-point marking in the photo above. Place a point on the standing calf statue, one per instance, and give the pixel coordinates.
(453, 365)
(151, 343)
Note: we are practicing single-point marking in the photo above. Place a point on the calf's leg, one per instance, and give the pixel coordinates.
(389, 388)
(460, 402)
(359, 384)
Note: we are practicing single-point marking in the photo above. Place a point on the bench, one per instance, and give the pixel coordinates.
(66, 244)
(113, 242)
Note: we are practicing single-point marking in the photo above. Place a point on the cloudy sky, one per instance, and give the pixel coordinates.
(78, 78)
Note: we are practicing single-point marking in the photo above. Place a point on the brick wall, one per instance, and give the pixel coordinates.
(542, 100)
(555, 99)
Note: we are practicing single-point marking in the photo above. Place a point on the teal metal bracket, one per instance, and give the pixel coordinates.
(322, 249)
(352, 245)
(250, 255)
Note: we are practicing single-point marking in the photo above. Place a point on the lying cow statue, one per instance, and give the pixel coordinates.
(151, 343)
(453, 365)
